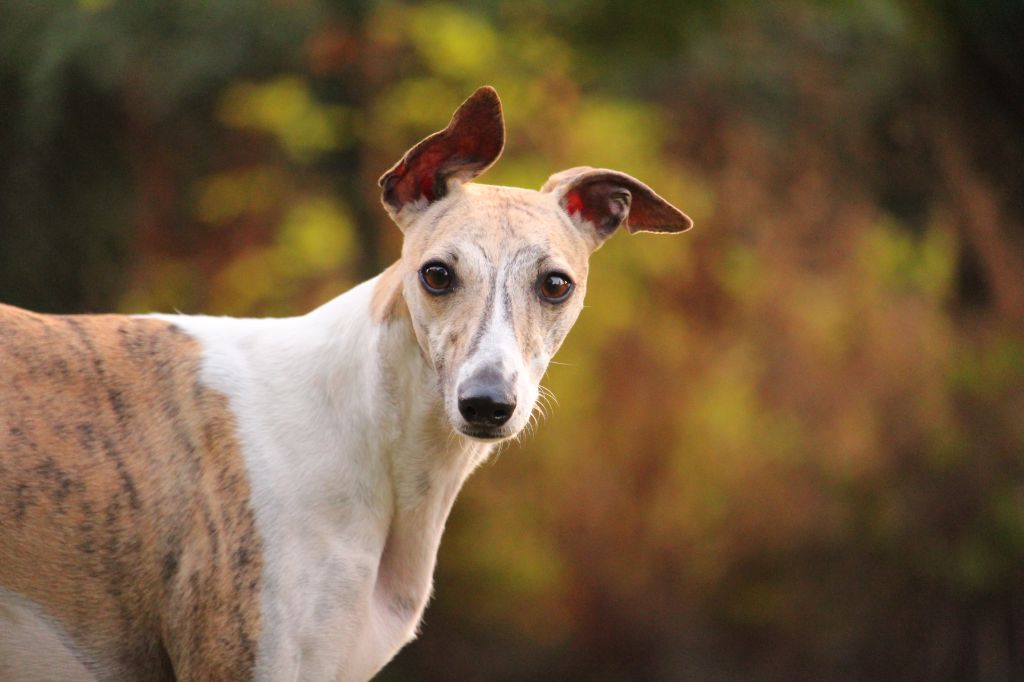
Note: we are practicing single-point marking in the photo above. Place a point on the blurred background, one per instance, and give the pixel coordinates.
(789, 445)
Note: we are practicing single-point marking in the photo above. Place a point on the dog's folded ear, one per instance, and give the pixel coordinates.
(470, 144)
(603, 199)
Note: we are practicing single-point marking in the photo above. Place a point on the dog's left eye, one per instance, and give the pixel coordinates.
(555, 287)
(436, 278)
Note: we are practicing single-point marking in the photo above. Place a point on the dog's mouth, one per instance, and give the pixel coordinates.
(486, 435)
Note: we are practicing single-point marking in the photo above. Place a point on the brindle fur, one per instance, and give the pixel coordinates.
(124, 498)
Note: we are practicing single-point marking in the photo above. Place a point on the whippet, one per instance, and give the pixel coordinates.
(203, 498)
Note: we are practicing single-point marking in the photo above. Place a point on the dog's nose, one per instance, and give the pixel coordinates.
(484, 401)
(486, 410)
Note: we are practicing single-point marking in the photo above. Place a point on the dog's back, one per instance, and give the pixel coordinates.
(124, 504)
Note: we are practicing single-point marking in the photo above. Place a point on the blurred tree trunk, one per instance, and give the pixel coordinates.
(984, 228)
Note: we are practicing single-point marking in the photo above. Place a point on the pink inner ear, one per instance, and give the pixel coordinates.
(574, 203)
(427, 187)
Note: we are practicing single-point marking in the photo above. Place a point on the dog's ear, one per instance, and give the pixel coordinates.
(469, 145)
(601, 200)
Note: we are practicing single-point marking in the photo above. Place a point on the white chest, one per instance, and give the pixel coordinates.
(323, 620)
(346, 583)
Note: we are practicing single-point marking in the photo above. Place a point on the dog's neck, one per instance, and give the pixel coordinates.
(428, 462)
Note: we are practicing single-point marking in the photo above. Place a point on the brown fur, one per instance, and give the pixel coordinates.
(124, 499)
(386, 303)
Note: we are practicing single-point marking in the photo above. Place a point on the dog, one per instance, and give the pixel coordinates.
(209, 498)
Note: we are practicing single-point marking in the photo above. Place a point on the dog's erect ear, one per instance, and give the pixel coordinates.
(603, 199)
(469, 145)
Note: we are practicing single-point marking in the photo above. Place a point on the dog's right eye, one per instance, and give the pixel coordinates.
(436, 278)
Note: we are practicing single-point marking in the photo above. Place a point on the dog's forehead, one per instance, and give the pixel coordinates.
(498, 221)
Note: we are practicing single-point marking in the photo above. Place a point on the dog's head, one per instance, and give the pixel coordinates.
(494, 277)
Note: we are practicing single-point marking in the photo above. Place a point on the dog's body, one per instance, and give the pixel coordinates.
(214, 498)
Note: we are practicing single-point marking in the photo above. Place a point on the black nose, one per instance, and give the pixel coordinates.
(484, 401)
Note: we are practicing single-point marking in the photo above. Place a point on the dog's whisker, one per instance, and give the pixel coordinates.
(548, 394)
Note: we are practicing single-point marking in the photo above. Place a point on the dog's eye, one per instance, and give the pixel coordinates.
(436, 278)
(555, 287)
